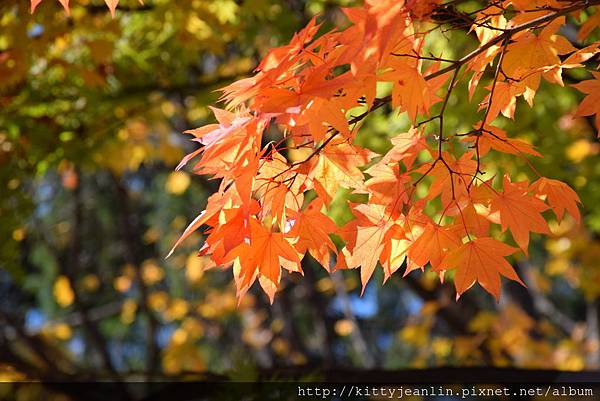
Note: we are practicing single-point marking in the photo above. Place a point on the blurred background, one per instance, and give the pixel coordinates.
(92, 111)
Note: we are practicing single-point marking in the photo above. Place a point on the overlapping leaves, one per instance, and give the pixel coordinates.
(271, 209)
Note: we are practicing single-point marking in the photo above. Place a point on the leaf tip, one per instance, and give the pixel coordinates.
(362, 290)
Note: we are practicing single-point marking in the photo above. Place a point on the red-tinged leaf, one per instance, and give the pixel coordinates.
(208, 216)
(231, 150)
(226, 142)
(312, 228)
(190, 229)
(214, 134)
(472, 214)
(559, 196)
(263, 252)
(364, 74)
(318, 83)
(481, 61)
(520, 212)
(432, 245)
(187, 158)
(229, 229)
(232, 231)
(268, 247)
(276, 56)
(411, 93)
(480, 260)
(346, 155)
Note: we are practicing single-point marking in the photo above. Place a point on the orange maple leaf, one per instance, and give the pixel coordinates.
(559, 196)
(208, 215)
(265, 253)
(432, 245)
(531, 52)
(277, 187)
(450, 185)
(503, 100)
(411, 92)
(519, 212)
(232, 231)
(480, 260)
(312, 228)
(337, 166)
(406, 147)
(365, 239)
(388, 186)
(267, 247)
(591, 103)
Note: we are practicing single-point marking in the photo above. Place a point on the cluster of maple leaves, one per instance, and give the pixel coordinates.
(270, 211)
(316, 91)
